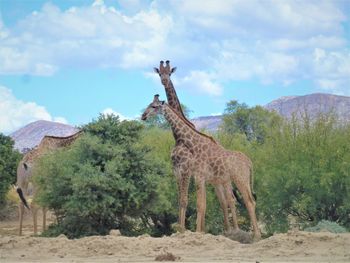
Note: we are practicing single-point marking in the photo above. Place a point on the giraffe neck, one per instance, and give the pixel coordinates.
(180, 126)
(52, 142)
(173, 100)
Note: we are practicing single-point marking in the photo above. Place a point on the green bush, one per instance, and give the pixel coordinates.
(303, 171)
(106, 180)
(301, 167)
(8, 166)
(328, 226)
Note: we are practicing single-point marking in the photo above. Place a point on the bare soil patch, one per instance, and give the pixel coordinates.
(186, 247)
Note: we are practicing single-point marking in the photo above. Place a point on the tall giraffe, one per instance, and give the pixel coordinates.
(25, 170)
(209, 162)
(164, 73)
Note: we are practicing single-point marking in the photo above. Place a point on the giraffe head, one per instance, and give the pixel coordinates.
(165, 72)
(153, 108)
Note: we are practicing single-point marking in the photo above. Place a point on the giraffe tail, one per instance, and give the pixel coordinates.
(236, 196)
(21, 196)
(252, 183)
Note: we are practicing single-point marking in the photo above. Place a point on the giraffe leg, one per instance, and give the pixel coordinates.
(201, 206)
(219, 190)
(183, 184)
(232, 203)
(35, 218)
(20, 214)
(250, 205)
(44, 218)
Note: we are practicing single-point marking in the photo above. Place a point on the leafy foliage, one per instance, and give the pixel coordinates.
(301, 167)
(255, 123)
(104, 181)
(8, 166)
(303, 171)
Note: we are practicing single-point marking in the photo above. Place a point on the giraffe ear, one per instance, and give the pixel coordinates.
(25, 166)
(173, 69)
(162, 102)
(156, 70)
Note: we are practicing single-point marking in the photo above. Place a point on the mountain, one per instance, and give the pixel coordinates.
(30, 135)
(313, 103)
(209, 123)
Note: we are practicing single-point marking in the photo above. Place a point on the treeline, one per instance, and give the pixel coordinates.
(119, 175)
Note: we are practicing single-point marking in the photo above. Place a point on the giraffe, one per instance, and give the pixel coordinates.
(209, 162)
(164, 73)
(25, 170)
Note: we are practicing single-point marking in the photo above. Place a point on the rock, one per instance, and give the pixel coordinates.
(115, 232)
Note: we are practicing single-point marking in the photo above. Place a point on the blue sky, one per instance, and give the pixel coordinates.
(69, 60)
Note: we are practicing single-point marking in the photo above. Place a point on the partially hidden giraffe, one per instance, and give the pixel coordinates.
(209, 162)
(24, 174)
(164, 73)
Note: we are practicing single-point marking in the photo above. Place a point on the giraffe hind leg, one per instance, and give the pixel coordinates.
(232, 204)
(220, 193)
(250, 205)
(201, 207)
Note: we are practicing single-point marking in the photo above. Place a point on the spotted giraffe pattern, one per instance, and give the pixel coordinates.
(209, 162)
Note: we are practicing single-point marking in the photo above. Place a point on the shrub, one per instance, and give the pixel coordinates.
(328, 226)
(8, 166)
(106, 180)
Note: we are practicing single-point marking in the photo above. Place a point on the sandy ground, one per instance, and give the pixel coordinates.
(185, 247)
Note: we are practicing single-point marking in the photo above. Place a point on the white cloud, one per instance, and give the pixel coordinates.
(110, 111)
(93, 36)
(15, 113)
(272, 41)
(202, 82)
(332, 70)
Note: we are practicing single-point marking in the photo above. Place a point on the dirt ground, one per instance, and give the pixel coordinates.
(294, 246)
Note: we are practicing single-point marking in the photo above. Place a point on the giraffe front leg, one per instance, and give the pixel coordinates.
(183, 184)
(201, 206)
(21, 213)
(34, 209)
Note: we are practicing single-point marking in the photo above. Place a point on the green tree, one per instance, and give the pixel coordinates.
(8, 166)
(104, 181)
(303, 171)
(255, 123)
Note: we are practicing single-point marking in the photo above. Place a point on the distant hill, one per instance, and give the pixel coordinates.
(313, 104)
(30, 135)
(285, 106)
(209, 123)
